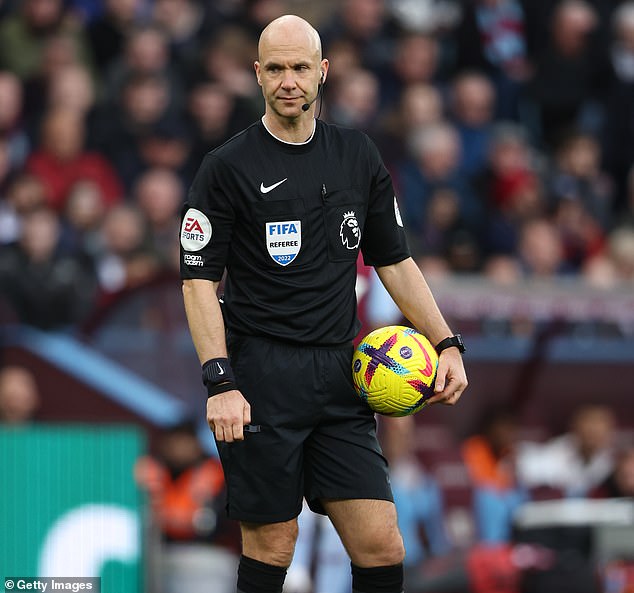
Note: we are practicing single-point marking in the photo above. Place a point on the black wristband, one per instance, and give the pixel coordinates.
(452, 341)
(217, 372)
(221, 388)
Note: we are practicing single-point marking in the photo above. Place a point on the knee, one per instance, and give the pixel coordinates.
(272, 543)
(386, 550)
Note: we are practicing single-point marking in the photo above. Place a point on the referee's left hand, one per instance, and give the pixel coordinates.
(451, 378)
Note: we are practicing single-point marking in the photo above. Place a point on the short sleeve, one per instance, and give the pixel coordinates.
(384, 240)
(206, 223)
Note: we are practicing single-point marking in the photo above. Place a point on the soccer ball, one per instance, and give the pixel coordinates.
(394, 370)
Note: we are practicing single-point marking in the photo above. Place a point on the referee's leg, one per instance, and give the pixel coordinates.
(369, 532)
(267, 551)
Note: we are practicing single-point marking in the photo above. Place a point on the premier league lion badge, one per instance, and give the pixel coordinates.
(349, 231)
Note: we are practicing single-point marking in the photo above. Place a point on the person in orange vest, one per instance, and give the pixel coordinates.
(183, 485)
(186, 491)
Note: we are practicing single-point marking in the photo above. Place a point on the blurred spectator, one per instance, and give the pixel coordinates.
(145, 53)
(368, 26)
(416, 60)
(107, 33)
(60, 51)
(215, 115)
(578, 460)
(618, 131)
(125, 260)
(227, 59)
(503, 270)
(420, 105)
(25, 33)
(61, 159)
(184, 23)
(541, 250)
(581, 196)
(472, 108)
(491, 39)
(73, 88)
(143, 104)
(425, 16)
(11, 122)
(47, 289)
(344, 56)
(320, 563)
(620, 483)
(83, 216)
(489, 457)
(417, 495)
(582, 236)
(354, 102)
(375, 307)
(19, 395)
(569, 72)
(165, 145)
(24, 194)
(578, 177)
(159, 194)
(186, 491)
(509, 188)
(436, 199)
(256, 14)
(621, 253)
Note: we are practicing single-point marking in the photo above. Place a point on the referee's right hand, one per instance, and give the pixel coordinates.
(227, 413)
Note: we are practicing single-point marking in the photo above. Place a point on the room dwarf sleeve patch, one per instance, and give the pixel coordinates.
(195, 230)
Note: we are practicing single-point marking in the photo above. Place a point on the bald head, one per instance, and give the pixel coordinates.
(289, 30)
(290, 69)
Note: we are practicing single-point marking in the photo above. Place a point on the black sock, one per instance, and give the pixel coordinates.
(378, 579)
(259, 577)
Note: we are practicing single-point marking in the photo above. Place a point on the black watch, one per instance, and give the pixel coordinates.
(449, 342)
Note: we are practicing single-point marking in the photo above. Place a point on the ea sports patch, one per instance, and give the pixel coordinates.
(195, 230)
(284, 240)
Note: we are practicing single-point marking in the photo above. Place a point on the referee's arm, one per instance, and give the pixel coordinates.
(411, 293)
(227, 412)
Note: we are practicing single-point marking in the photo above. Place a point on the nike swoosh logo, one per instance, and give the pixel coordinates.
(221, 371)
(266, 190)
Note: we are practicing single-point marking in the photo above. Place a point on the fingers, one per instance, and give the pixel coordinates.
(451, 381)
(246, 413)
(226, 415)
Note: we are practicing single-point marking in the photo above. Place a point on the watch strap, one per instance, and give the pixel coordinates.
(452, 341)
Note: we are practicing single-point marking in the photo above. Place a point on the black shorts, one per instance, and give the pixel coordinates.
(317, 438)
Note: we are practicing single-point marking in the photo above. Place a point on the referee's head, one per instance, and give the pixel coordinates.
(290, 67)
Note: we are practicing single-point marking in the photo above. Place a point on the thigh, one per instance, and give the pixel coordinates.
(368, 529)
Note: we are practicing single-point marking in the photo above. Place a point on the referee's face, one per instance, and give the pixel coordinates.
(289, 69)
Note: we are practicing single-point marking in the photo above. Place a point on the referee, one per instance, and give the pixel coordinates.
(285, 207)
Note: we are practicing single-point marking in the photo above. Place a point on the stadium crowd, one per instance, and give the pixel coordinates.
(507, 125)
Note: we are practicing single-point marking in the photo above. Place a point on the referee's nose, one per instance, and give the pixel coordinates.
(288, 81)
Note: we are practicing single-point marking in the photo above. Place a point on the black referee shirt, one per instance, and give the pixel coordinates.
(287, 221)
